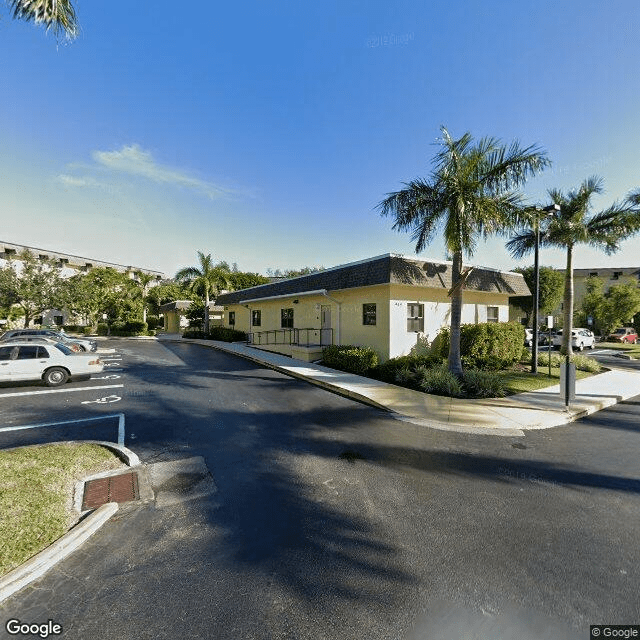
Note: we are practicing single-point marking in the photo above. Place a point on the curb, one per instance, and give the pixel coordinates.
(46, 559)
(41, 563)
(347, 393)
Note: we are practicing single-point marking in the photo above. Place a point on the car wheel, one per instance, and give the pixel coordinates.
(55, 376)
(581, 347)
(82, 348)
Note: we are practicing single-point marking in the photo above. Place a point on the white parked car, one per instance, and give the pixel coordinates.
(54, 363)
(580, 338)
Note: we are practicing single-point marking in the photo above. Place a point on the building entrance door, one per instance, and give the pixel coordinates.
(326, 335)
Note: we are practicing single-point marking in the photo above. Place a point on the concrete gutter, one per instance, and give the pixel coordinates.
(39, 564)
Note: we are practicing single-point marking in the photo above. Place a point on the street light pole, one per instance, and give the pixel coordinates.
(549, 211)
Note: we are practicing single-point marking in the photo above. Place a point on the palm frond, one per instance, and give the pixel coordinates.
(57, 14)
(522, 244)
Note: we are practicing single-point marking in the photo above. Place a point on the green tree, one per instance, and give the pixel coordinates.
(574, 224)
(243, 280)
(103, 291)
(58, 15)
(621, 304)
(593, 303)
(207, 280)
(470, 194)
(33, 284)
(166, 292)
(551, 288)
(293, 273)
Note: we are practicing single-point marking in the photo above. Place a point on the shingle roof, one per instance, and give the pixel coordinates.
(385, 269)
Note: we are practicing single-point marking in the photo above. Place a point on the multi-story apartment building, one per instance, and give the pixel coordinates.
(70, 265)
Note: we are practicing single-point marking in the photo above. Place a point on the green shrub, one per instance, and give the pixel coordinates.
(87, 331)
(483, 384)
(193, 333)
(225, 334)
(488, 345)
(74, 328)
(153, 322)
(583, 363)
(103, 329)
(350, 358)
(387, 371)
(439, 381)
(129, 328)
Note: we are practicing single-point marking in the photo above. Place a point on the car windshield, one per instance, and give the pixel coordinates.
(620, 331)
(64, 349)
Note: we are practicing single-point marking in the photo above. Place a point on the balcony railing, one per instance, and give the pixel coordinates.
(306, 337)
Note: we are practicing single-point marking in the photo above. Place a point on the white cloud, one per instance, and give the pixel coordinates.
(79, 181)
(135, 161)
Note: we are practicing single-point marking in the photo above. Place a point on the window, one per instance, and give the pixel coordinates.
(415, 317)
(286, 318)
(369, 314)
(616, 275)
(593, 274)
(5, 353)
(42, 352)
(57, 320)
(256, 317)
(492, 314)
(232, 318)
(28, 353)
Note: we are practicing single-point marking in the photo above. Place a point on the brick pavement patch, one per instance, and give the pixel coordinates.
(120, 488)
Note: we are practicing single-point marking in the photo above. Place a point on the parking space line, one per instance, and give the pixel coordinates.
(120, 417)
(34, 393)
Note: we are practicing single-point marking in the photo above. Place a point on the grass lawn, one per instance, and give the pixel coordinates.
(632, 350)
(36, 490)
(521, 380)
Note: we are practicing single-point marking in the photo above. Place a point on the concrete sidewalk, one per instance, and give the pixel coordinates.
(509, 416)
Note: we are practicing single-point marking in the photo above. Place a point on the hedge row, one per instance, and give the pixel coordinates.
(224, 334)
(488, 346)
(350, 358)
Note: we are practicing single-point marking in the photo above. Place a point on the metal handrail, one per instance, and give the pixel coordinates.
(301, 336)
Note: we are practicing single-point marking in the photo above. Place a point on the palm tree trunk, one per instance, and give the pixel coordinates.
(206, 312)
(568, 304)
(455, 362)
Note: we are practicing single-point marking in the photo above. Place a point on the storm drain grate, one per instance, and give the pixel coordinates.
(122, 488)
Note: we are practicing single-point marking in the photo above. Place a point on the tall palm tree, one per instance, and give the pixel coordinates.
(207, 281)
(57, 14)
(575, 224)
(143, 280)
(470, 194)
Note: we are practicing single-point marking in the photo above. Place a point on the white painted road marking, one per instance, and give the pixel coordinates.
(35, 393)
(115, 376)
(120, 417)
(105, 400)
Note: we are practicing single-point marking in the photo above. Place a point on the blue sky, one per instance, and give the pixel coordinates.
(265, 133)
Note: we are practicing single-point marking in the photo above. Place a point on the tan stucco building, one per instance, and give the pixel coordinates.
(388, 302)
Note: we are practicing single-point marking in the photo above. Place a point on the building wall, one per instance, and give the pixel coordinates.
(437, 314)
(390, 336)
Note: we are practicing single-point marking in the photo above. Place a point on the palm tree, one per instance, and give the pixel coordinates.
(471, 193)
(207, 281)
(573, 225)
(143, 280)
(58, 14)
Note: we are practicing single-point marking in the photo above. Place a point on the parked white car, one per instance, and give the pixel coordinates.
(580, 338)
(54, 364)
